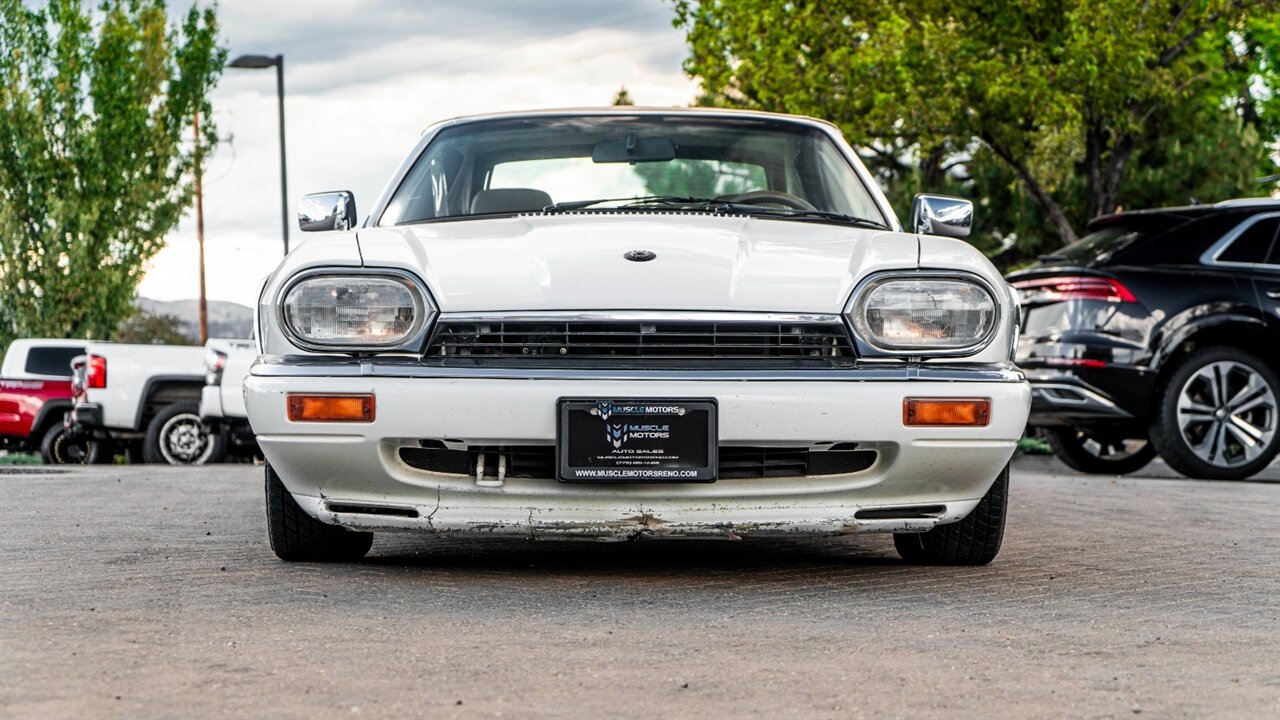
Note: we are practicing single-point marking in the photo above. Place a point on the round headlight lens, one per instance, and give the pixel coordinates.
(353, 310)
(924, 314)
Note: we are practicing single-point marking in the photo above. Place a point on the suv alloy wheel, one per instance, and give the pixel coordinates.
(1217, 415)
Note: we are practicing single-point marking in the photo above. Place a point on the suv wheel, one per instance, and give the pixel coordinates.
(58, 448)
(1097, 453)
(975, 540)
(1217, 415)
(176, 436)
(297, 537)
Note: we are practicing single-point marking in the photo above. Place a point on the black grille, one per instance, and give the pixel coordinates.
(588, 340)
(736, 462)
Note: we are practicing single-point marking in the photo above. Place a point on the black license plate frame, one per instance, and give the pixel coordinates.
(637, 440)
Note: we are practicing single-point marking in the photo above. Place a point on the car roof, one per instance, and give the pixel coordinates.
(607, 110)
(1186, 212)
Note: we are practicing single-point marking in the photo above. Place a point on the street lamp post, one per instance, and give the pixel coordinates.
(258, 62)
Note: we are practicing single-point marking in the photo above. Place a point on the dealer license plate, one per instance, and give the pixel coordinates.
(612, 440)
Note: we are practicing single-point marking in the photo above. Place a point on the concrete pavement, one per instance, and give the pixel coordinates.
(150, 591)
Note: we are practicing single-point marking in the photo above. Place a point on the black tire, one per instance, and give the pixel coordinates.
(1174, 443)
(975, 540)
(297, 537)
(175, 436)
(57, 448)
(1075, 449)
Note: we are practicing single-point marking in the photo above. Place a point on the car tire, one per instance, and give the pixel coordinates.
(58, 448)
(176, 436)
(1213, 403)
(1082, 451)
(975, 540)
(297, 537)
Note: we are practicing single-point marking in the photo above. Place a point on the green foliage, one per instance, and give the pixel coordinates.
(699, 178)
(1032, 445)
(95, 156)
(1046, 114)
(152, 329)
(19, 459)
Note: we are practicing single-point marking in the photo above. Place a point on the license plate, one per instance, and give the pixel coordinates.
(665, 440)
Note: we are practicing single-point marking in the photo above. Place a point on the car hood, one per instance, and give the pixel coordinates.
(576, 262)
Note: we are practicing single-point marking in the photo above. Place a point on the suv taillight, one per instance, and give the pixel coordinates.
(96, 374)
(1074, 287)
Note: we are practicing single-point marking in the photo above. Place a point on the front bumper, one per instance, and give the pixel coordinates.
(352, 474)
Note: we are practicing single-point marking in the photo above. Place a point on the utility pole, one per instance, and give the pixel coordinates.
(204, 307)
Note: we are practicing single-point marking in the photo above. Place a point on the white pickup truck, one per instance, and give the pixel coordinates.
(226, 364)
(147, 398)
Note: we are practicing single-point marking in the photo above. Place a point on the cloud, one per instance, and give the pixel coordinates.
(364, 79)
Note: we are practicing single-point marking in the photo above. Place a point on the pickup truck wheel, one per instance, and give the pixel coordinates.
(974, 540)
(1218, 415)
(297, 537)
(1097, 453)
(176, 436)
(58, 448)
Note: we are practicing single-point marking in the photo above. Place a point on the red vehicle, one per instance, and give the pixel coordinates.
(35, 394)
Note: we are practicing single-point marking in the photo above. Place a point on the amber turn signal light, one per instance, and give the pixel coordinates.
(970, 412)
(331, 408)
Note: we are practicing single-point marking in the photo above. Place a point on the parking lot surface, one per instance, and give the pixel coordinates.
(150, 592)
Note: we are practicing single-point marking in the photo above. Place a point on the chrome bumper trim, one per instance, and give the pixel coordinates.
(308, 366)
(643, 316)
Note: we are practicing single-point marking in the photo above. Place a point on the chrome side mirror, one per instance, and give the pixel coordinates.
(941, 215)
(327, 211)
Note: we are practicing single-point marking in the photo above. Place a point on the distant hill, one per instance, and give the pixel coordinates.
(226, 319)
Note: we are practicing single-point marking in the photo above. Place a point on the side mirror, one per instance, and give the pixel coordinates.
(941, 215)
(327, 211)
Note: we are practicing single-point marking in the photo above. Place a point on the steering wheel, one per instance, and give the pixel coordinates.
(769, 197)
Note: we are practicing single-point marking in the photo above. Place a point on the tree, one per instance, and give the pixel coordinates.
(623, 97)
(150, 328)
(93, 167)
(1062, 96)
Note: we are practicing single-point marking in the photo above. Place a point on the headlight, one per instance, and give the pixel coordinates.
(924, 315)
(355, 312)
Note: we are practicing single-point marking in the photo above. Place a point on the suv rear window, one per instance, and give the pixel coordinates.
(55, 361)
(1253, 243)
(1097, 247)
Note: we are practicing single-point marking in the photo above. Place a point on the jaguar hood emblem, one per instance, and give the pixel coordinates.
(640, 255)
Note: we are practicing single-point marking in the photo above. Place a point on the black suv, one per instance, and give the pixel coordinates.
(1159, 331)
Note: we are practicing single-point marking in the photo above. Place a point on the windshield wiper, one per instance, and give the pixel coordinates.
(745, 209)
(717, 206)
(628, 202)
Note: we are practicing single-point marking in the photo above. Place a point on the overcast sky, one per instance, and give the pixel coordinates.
(362, 80)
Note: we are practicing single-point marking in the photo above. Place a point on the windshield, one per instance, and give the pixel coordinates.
(600, 163)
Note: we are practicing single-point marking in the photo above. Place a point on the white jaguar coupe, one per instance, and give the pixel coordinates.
(624, 323)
